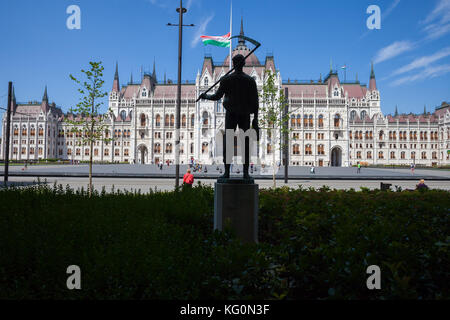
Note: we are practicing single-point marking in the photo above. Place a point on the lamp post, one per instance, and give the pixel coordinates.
(180, 26)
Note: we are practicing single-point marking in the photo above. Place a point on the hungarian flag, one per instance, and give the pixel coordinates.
(219, 41)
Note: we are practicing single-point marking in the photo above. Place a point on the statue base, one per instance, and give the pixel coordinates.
(236, 203)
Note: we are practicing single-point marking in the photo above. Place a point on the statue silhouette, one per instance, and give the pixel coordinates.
(241, 100)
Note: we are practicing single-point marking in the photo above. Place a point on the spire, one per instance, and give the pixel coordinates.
(372, 82)
(320, 79)
(13, 96)
(44, 104)
(425, 110)
(396, 111)
(357, 78)
(131, 78)
(45, 97)
(241, 41)
(154, 70)
(331, 65)
(116, 86)
(116, 75)
(372, 73)
(165, 77)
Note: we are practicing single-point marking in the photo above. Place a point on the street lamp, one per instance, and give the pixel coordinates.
(180, 26)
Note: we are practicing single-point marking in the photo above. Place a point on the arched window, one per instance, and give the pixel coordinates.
(380, 155)
(183, 121)
(166, 120)
(192, 120)
(296, 149)
(157, 148)
(299, 121)
(168, 148)
(205, 117)
(424, 155)
(311, 121)
(305, 120)
(158, 120)
(337, 120)
(172, 120)
(123, 115)
(320, 121)
(380, 135)
(402, 155)
(205, 82)
(308, 149)
(352, 115)
(392, 155)
(369, 154)
(413, 155)
(321, 149)
(292, 121)
(363, 115)
(143, 120)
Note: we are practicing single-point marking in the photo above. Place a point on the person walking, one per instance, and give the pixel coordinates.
(412, 168)
(188, 179)
(359, 167)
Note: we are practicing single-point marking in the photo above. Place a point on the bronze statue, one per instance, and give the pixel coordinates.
(241, 100)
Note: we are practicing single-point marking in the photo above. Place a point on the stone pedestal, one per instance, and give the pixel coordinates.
(236, 203)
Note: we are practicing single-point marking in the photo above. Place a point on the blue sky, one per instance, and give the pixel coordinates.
(411, 51)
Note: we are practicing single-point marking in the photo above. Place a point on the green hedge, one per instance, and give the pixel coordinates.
(313, 245)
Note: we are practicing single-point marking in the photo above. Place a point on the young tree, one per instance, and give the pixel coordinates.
(272, 116)
(90, 126)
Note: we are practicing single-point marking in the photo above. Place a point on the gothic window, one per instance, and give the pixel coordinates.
(166, 120)
(320, 121)
(296, 149)
(157, 120)
(205, 117)
(205, 82)
(143, 120)
(172, 120)
(363, 114)
(192, 120)
(123, 115)
(183, 121)
(337, 121)
(352, 115)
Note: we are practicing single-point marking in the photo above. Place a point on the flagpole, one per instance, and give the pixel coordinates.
(231, 28)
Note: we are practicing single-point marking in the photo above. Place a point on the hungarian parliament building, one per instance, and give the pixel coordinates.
(332, 123)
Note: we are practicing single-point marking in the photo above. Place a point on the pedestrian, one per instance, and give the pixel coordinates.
(412, 168)
(421, 186)
(359, 168)
(312, 170)
(188, 179)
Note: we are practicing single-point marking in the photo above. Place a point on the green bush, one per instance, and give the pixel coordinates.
(160, 245)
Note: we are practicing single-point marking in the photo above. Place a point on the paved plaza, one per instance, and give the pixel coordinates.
(297, 173)
(146, 177)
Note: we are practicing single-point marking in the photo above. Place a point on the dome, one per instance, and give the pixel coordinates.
(252, 60)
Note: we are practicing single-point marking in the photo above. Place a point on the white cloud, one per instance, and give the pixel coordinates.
(427, 73)
(389, 10)
(393, 50)
(201, 30)
(438, 20)
(423, 61)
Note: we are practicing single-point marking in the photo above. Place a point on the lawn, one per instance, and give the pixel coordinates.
(314, 244)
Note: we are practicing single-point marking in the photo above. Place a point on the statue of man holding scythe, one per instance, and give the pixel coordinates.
(241, 100)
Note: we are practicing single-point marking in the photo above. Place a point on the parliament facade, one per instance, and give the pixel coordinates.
(332, 123)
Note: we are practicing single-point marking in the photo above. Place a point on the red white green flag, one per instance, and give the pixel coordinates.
(219, 41)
